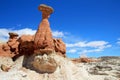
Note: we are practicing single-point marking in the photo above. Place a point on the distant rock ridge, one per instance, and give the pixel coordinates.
(106, 66)
(109, 57)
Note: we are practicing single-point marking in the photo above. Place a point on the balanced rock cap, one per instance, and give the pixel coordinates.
(12, 34)
(45, 8)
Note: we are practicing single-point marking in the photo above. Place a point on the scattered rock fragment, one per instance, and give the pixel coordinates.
(4, 68)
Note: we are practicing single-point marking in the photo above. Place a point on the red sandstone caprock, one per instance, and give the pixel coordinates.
(43, 37)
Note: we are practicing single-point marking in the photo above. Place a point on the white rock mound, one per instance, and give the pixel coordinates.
(66, 70)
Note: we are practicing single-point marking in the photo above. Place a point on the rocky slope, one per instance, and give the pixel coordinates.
(108, 69)
(108, 66)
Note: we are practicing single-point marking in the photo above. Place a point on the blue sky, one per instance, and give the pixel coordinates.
(88, 27)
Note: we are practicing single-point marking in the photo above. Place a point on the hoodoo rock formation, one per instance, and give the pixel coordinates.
(43, 41)
(42, 57)
(39, 49)
(43, 37)
(44, 45)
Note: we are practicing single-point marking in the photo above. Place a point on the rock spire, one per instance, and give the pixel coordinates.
(43, 37)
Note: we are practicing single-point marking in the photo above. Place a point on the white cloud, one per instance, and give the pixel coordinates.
(25, 31)
(4, 33)
(79, 44)
(96, 44)
(88, 47)
(72, 50)
(93, 44)
(91, 50)
(58, 34)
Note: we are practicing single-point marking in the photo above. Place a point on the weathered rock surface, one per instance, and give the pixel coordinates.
(26, 46)
(11, 47)
(5, 63)
(66, 70)
(42, 42)
(45, 45)
(83, 60)
(43, 37)
(44, 64)
(107, 66)
(60, 47)
(40, 53)
(41, 63)
(6, 51)
(25, 38)
(4, 68)
(46, 10)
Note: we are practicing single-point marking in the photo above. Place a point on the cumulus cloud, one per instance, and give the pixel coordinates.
(88, 47)
(58, 34)
(4, 33)
(93, 44)
(92, 50)
(72, 50)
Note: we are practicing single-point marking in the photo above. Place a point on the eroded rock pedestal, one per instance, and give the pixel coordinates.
(43, 37)
(44, 45)
(43, 40)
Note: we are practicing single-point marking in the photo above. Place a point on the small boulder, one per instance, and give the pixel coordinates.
(4, 68)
